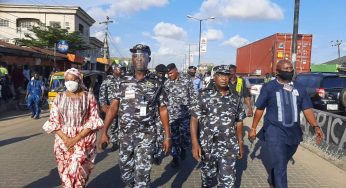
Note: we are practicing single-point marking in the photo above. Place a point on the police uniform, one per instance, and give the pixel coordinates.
(158, 152)
(180, 94)
(218, 138)
(109, 86)
(139, 102)
(281, 128)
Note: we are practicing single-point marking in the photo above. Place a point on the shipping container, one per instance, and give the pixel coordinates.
(261, 56)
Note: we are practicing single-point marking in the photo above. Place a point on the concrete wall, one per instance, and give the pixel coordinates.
(333, 147)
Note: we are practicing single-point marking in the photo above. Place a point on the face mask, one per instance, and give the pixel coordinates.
(192, 74)
(285, 75)
(71, 86)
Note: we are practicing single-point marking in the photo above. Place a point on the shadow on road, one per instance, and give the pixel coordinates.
(52, 180)
(241, 166)
(110, 178)
(17, 139)
(182, 172)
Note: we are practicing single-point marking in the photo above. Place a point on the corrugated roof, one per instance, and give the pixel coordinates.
(338, 61)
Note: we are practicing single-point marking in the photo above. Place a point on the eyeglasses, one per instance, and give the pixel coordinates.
(140, 55)
(221, 75)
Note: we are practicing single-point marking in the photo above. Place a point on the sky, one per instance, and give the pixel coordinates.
(165, 27)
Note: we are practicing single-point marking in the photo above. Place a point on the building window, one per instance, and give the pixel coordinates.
(67, 24)
(81, 28)
(55, 24)
(3, 23)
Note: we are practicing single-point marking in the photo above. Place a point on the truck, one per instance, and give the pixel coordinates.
(260, 57)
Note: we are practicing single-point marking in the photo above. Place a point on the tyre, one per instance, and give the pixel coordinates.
(343, 97)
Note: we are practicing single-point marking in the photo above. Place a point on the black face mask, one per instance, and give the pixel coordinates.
(285, 75)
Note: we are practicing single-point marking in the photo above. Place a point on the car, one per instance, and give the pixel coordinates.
(326, 90)
(254, 84)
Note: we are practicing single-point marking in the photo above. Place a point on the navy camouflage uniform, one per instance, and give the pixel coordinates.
(180, 94)
(109, 86)
(218, 137)
(137, 134)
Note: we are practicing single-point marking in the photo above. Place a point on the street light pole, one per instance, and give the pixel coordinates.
(200, 32)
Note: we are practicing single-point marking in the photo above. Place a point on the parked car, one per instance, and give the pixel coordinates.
(326, 90)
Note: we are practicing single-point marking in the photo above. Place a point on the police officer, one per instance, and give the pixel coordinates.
(109, 86)
(221, 139)
(135, 104)
(179, 89)
(283, 100)
(160, 73)
(34, 95)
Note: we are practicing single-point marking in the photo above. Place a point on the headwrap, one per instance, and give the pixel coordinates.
(75, 72)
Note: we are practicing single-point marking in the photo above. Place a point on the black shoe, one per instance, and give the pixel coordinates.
(175, 162)
(36, 117)
(183, 154)
(32, 115)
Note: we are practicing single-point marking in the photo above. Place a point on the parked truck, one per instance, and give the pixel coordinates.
(261, 57)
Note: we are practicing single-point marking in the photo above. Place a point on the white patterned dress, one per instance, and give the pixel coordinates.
(71, 116)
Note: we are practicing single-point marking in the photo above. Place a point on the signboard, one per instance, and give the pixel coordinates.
(62, 46)
(203, 44)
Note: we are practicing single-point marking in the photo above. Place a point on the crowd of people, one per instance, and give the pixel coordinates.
(151, 116)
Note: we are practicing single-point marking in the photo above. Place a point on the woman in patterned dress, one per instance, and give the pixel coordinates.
(74, 119)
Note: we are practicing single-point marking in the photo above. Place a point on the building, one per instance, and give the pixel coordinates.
(15, 20)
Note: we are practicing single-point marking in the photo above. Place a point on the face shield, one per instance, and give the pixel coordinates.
(140, 61)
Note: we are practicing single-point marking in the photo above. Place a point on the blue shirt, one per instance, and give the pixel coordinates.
(35, 87)
(283, 105)
(197, 84)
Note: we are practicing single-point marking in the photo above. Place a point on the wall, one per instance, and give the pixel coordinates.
(333, 147)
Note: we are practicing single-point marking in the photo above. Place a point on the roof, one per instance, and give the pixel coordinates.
(339, 61)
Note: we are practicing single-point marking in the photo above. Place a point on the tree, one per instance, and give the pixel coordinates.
(47, 36)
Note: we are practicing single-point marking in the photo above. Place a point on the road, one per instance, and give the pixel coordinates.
(27, 161)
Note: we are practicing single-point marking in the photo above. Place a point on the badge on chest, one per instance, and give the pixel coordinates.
(288, 87)
(130, 92)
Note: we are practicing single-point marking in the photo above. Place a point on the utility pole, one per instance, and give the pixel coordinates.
(295, 33)
(337, 43)
(105, 41)
(189, 56)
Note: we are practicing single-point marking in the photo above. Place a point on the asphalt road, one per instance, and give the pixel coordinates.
(27, 161)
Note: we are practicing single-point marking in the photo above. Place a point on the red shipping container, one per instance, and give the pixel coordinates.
(262, 56)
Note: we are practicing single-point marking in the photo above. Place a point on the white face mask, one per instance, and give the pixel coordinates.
(71, 86)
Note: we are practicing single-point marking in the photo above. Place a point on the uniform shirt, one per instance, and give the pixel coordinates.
(108, 86)
(218, 116)
(133, 95)
(180, 94)
(35, 87)
(283, 105)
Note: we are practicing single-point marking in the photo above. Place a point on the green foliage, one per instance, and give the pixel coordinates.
(45, 37)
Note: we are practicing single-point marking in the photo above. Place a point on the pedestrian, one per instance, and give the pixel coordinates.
(136, 103)
(221, 134)
(34, 95)
(197, 82)
(17, 80)
(206, 79)
(160, 76)
(26, 74)
(283, 100)
(180, 91)
(5, 82)
(109, 86)
(74, 120)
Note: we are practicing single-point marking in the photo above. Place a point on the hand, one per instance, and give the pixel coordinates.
(166, 146)
(104, 138)
(70, 142)
(196, 151)
(249, 112)
(319, 134)
(105, 108)
(252, 134)
(241, 150)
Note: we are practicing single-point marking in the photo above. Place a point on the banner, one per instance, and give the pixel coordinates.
(203, 44)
